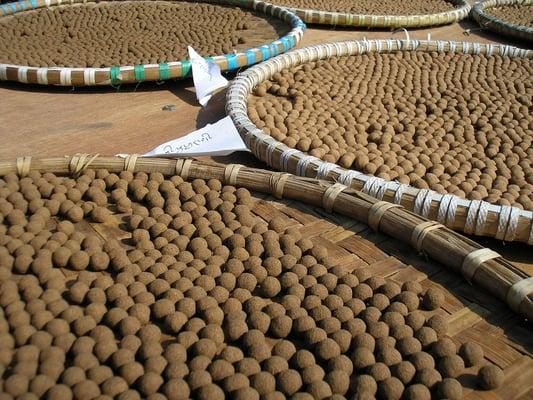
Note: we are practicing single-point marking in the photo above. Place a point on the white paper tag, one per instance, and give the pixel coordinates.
(218, 139)
(206, 76)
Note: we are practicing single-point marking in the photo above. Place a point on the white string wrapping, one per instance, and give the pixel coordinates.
(324, 169)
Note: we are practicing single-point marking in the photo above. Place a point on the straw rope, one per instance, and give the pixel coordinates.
(420, 232)
(473, 261)
(377, 211)
(502, 27)
(474, 217)
(116, 75)
(330, 195)
(495, 274)
(324, 17)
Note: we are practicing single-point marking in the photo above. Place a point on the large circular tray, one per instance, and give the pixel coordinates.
(325, 17)
(473, 217)
(490, 22)
(128, 334)
(115, 75)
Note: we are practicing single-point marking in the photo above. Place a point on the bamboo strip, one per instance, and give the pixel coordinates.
(443, 245)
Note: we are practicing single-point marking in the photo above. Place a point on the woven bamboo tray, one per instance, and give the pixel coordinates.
(499, 26)
(115, 75)
(472, 217)
(473, 314)
(324, 17)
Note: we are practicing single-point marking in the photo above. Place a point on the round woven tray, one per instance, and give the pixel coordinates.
(473, 217)
(468, 312)
(499, 26)
(478, 265)
(324, 17)
(115, 75)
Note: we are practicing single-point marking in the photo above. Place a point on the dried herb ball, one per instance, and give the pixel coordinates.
(362, 291)
(176, 389)
(220, 369)
(284, 348)
(410, 300)
(432, 299)
(390, 389)
(270, 286)
(490, 377)
(248, 366)
(198, 378)
(439, 324)
(341, 362)
(275, 365)
(86, 390)
(415, 320)
(422, 360)
(404, 371)
(210, 392)
(417, 392)
(263, 382)
(362, 357)
(235, 382)
(312, 373)
(288, 382)
(412, 286)
(472, 353)
(408, 345)
(131, 371)
(443, 347)
(16, 385)
(451, 366)
(428, 377)
(59, 392)
(364, 387)
(450, 389)
(379, 371)
(426, 336)
(343, 338)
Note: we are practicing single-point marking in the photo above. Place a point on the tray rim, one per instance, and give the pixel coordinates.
(116, 75)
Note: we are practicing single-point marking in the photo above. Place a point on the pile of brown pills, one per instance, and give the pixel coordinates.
(516, 14)
(128, 33)
(453, 123)
(201, 298)
(373, 7)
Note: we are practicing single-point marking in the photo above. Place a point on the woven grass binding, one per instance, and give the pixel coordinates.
(480, 266)
(116, 75)
(485, 20)
(472, 217)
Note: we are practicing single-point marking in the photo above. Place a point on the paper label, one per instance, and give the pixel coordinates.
(218, 139)
(206, 76)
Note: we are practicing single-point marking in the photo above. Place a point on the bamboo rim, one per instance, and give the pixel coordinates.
(472, 217)
(497, 25)
(323, 17)
(116, 75)
(480, 266)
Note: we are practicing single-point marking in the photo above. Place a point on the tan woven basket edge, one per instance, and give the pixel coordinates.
(500, 26)
(323, 17)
